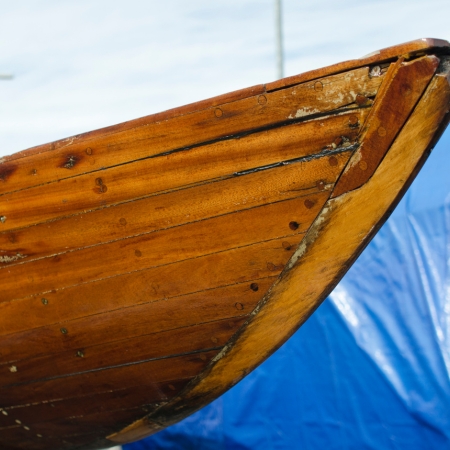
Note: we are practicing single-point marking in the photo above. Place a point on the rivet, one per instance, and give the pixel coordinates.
(286, 245)
(262, 99)
(381, 131)
(320, 185)
(18, 422)
(34, 172)
(98, 181)
(361, 100)
(2, 219)
(44, 301)
(89, 151)
(13, 369)
(203, 357)
(218, 112)
(332, 161)
(172, 387)
(293, 225)
(80, 354)
(239, 306)
(122, 221)
(353, 121)
(214, 340)
(138, 253)
(338, 141)
(318, 86)
(63, 330)
(254, 287)
(26, 428)
(362, 165)
(309, 203)
(4, 413)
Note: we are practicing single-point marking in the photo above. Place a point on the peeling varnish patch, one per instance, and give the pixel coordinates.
(8, 259)
(302, 112)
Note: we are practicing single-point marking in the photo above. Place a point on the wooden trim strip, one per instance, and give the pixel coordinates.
(397, 99)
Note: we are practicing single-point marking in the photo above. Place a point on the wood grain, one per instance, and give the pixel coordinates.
(93, 382)
(125, 349)
(137, 320)
(163, 247)
(330, 244)
(185, 132)
(242, 265)
(187, 205)
(404, 85)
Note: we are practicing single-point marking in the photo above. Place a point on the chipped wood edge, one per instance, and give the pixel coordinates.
(330, 244)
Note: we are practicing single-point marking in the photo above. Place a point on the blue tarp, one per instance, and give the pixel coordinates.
(371, 368)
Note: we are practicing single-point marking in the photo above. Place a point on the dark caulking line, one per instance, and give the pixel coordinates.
(118, 366)
(335, 112)
(321, 154)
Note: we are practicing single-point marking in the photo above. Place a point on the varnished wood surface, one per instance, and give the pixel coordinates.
(330, 243)
(136, 262)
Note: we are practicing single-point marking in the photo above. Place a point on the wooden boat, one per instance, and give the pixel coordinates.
(148, 267)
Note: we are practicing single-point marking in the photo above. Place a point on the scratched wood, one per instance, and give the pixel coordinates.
(133, 218)
(332, 243)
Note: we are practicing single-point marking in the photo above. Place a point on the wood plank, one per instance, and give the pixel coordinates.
(198, 165)
(103, 423)
(144, 347)
(154, 138)
(163, 247)
(137, 320)
(408, 49)
(21, 438)
(171, 209)
(142, 374)
(148, 396)
(251, 263)
(391, 110)
(333, 245)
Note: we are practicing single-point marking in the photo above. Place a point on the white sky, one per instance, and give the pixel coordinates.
(81, 65)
